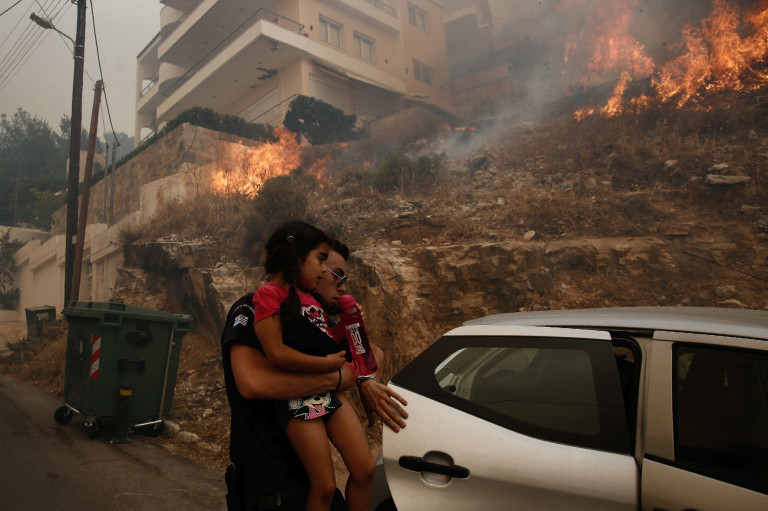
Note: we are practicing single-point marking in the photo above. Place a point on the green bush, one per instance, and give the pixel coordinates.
(399, 172)
(207, 118)
(319, 121)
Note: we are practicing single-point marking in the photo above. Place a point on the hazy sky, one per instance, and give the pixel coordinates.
(42, 83)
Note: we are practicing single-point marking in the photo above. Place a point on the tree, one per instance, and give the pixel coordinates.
(31, 155)
(126, 144)
(8, 293)
(320, 122)
(65, 125)
(39, 212)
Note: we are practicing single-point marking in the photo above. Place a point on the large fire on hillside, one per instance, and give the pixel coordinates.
(254, 165)
(249, 167)
(726, 51)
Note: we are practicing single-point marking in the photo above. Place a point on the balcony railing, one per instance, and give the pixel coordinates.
(274, 115)
(149, 86)
(261, 14)
(383, 6)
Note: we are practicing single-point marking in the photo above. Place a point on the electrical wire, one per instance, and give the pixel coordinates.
(23, 43)
(11, 7)
(101, 74)
(30, 31)
(30, 39)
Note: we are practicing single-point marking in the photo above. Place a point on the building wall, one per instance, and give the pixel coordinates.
(387, 43)
(302, 68)
(427, 46)
(499, 52)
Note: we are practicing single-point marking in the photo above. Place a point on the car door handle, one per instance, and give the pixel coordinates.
(418, 464)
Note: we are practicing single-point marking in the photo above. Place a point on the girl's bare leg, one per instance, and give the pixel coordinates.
(346, 433)
(310, 440)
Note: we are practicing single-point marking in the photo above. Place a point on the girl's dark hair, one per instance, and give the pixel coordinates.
(289, 244)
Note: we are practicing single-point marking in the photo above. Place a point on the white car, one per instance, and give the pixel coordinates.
(657, 408)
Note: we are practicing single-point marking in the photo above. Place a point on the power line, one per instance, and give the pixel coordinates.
(27, 43)
(101, 74)
(11, 7)
(19, 44)
(32, 37)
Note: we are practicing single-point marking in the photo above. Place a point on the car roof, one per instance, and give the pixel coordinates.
(704, 320)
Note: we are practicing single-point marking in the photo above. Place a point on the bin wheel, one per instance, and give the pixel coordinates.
(152, 430)
(93, 429)
(63, 415)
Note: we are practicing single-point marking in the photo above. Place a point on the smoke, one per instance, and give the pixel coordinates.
(555, 55)
(552, 52)
(587, 43)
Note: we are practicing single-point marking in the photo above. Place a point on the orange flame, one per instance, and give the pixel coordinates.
(721, 53)
(258, 164)
(716, 57)
(605, 44)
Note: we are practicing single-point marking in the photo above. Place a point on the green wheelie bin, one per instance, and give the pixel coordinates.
(121, 366)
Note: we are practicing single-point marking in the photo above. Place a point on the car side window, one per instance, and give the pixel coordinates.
(548, 388)
(721, 414)
(564, 390)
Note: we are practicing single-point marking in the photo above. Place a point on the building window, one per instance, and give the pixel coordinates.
(417, 17)
(363, 47)
(330, 32)
(422, 72)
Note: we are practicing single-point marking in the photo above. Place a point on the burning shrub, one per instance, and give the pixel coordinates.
(398, 171)
(319, 121)
(282, 198)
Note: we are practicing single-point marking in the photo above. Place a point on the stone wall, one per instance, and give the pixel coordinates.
(174, 167)
(419, 293)
(183, 149)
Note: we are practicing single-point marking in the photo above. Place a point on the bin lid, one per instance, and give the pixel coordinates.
(121, 311)
(42, 308)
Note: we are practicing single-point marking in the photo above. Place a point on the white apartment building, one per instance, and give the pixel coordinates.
(252, 57)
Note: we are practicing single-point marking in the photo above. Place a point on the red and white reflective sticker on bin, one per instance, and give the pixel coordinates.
(95, 354)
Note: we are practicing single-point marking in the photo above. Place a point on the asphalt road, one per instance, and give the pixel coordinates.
(44, 465)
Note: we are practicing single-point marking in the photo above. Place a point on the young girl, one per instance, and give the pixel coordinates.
(294, 335)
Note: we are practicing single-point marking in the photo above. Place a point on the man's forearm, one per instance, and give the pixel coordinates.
(256, 378)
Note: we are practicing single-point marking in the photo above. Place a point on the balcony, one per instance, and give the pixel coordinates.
(376, 11)
(251, 56)
(260, 15)
(383, 6)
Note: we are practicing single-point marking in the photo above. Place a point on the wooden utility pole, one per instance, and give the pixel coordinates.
(84, 199)
(73, 180)
(112, 184)
(106, 173)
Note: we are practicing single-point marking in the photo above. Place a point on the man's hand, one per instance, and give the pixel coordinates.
(384, 402)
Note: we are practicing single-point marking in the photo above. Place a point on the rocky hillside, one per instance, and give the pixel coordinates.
(635, 210)
(546, 215)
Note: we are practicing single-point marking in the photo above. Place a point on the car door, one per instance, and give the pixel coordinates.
(512, 417)
(707, 424)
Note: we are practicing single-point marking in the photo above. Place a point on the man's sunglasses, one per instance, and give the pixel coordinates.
(341, 278)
